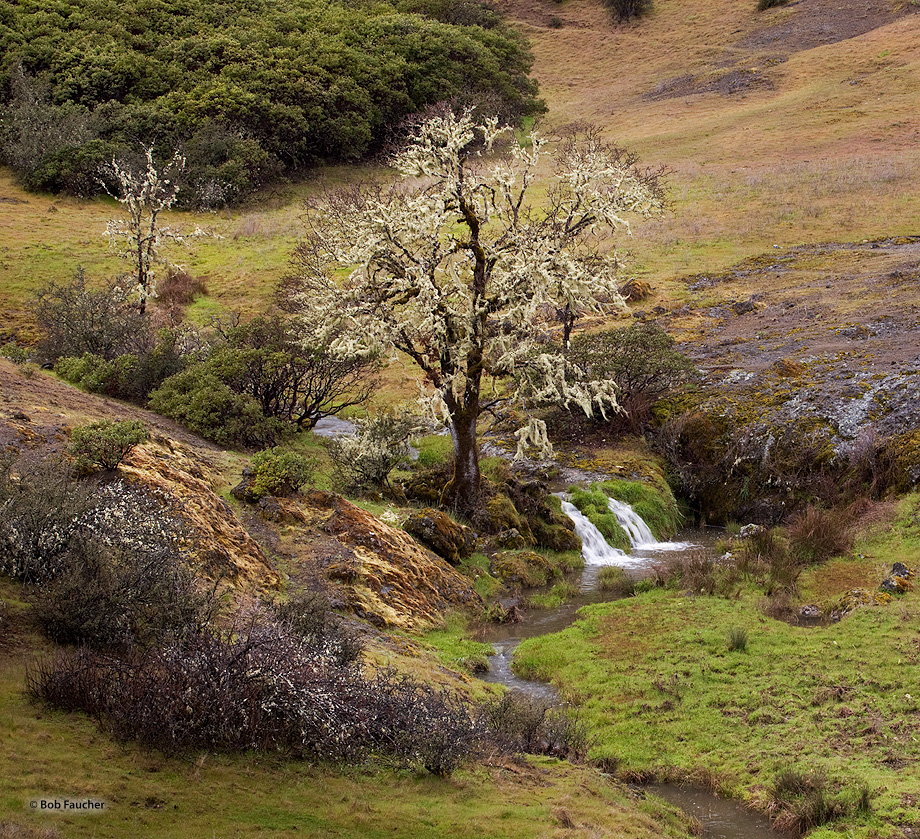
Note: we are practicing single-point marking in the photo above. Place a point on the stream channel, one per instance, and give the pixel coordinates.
(720, 818)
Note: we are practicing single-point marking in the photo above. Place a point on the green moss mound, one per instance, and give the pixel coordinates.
(655, 503)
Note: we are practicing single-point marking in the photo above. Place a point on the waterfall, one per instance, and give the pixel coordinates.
(640, 534)
(595, 548)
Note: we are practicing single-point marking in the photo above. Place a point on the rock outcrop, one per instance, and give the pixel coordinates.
(218, 543)
(439, 532)
(383, 574)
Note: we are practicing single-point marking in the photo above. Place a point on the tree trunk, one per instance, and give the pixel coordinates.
(462, 492)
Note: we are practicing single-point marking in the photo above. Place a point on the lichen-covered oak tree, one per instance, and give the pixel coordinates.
(456, 266)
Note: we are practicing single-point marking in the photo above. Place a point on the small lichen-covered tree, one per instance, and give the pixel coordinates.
(140, 236)
(459, 268)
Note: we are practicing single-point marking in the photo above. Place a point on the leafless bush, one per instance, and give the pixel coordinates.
(43, 509)
(76, 320)
(261, 687)
(815, 535)
(108, 597)
(310, 615)
(517, 722)
(179, 288)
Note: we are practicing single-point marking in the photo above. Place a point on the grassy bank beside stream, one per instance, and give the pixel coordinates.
(812, 725)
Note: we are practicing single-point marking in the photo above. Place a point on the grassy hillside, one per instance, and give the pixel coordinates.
(798, 124)
(773, 139)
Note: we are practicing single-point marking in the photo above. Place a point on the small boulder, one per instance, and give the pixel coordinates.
(899, 580)
(525, 568)
(750, 530)
(280, 510)
(438, 531)
(512, 539)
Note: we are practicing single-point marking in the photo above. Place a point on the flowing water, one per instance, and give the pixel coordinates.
(720, 818)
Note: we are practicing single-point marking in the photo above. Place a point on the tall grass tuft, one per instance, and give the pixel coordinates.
(737, 639)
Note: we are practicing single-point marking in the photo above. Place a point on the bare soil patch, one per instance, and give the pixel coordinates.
(812, 23)
(830, 331)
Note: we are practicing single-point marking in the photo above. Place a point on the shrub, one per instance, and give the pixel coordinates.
(624, 10)
(815, 535)
(310, 615)
(179, 288)
(278, 472)
(258, 686)
(517, 722)
(763, 5)
(104, 444)
(209, 407)
(380, 444)
(108, 597)
(640, 358)
(42, 511)
(695, 571)
(75, 320)
(15, 352)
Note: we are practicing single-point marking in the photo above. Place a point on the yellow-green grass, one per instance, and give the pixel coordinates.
(666, 697)
(815, 158)
(49, 755)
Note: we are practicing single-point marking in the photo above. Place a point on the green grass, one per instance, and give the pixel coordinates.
(455, 649)
(51, 754)
(554, 598)
(433, 449)
(660, 686)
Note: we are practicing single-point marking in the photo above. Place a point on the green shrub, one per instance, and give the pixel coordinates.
(209, 407)
(278, 472)
(249, 93)
(763, 5)
(640, 358)
(104, 444)
(15, 352)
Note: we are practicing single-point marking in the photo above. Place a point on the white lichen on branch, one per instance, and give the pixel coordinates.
(455, 266)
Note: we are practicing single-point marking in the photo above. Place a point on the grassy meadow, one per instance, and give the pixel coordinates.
(712, 690)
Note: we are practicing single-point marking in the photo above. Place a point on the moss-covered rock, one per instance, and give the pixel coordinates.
(525, 568)
(439, 532)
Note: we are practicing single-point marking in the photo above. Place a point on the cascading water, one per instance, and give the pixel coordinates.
(596, 550)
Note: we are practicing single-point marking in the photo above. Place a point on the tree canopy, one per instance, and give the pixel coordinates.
(246, 87)
(456, 266)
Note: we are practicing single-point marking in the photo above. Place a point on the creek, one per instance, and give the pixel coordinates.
(720, 818)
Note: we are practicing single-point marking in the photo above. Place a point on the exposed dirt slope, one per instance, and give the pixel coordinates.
(829, 332)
